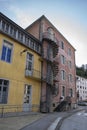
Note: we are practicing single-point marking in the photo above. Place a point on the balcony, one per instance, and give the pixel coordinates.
(34, 74)
(50, 37)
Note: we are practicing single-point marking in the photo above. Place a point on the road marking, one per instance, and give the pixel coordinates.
(79, 113)
(85, 114)
(54, 124)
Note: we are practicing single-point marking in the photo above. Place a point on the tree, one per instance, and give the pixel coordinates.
(81, 72)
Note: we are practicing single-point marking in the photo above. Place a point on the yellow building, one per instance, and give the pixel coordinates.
(20, 68)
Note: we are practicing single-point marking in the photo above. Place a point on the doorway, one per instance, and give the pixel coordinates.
(27, 105)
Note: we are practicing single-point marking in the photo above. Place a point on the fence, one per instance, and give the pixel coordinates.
(17, 110)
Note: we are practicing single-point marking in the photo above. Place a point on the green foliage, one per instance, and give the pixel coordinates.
(81, 72)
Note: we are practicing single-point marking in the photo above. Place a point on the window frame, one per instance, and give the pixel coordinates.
(4, 86)
(8, 46)
(63, 91)
(63, 59)
(28, 60)
(63, 75)
(62, 45)
(71, 92)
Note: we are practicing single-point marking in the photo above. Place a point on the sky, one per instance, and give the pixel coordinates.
(68, 16)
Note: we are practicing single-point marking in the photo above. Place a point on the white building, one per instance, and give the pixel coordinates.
(84, 67)
(81, 87)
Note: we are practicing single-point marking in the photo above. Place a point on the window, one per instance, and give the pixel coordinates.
(11, 30)
(3, 25)
(7, 28)
(63, 91)
(50, 30)
(69, 64)
(51, 33)
(63, 59)
(29, 62)
(63, 75)
(70, 78)
(21, 36)
(62, 45)
(6, 51)
(69, 52)
(36, 47)
(32, 45)
(80, 86)
(27, 41)
(4, 84)
(70, 92)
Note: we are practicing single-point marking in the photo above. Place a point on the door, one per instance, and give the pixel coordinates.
(27, 105)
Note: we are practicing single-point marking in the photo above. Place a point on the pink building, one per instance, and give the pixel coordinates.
(58, 64)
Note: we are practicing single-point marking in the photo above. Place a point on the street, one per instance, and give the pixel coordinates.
(77, 121)
(45, 122)
(42, 121)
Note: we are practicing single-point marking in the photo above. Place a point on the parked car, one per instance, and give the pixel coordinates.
(82, 103)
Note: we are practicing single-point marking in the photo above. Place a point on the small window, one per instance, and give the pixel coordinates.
(70, 78)
(32, 45)
(6, 51)
(63, 75)
(7, 28)
(3, 25)
(69, 52)
(70, 92)
(36, 47)
(70, 64)
(63, 59)
(50, 30)
(62, 45)
(63, 91)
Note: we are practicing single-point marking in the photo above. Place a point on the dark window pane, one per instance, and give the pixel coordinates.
(5, 82)
(30, 56)
(3, 53)
(30, 66)
(8, 55)
(4, 89)
(1, 81)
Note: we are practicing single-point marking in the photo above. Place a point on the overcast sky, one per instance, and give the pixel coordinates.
(68, 16)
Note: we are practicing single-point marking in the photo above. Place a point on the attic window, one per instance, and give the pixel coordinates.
(50, 30)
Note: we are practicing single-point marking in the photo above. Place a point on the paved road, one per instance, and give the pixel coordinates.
(45, 122)
(77, 121)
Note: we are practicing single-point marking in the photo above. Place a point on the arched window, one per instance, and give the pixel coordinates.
(50, 30)
(51, 33)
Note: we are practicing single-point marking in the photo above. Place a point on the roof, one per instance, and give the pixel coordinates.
(9, 20)
(44, 17)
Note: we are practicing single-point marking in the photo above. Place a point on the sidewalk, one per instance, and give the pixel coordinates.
(16, 123)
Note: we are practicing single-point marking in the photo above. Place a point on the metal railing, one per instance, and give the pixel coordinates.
(50, 36)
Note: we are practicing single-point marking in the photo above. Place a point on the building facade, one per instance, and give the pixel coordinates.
(84, 67)
(20, 67)
(81, 88)
(58, 64)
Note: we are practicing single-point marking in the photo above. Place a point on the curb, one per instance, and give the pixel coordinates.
(63, 118)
